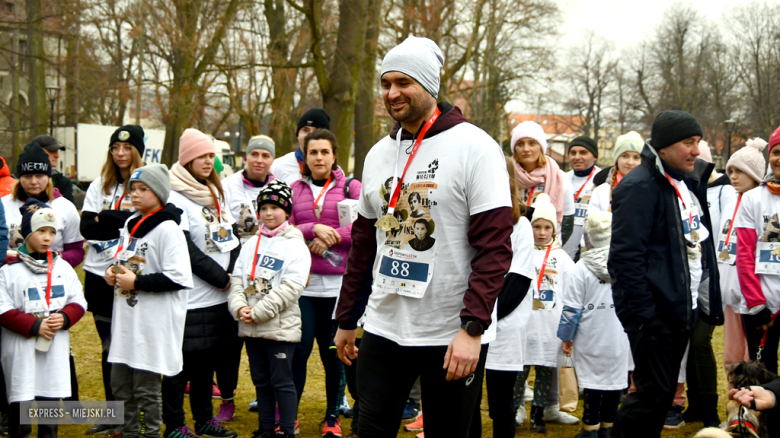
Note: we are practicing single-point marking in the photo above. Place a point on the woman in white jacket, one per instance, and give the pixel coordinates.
(268, 279)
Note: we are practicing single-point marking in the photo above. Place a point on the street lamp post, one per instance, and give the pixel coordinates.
(52, 92)
(730, 125)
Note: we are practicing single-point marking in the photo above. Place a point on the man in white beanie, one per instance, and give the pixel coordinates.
(433, 306)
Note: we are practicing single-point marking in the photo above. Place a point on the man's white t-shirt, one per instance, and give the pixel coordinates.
(68, 222)
(727, 266)
(455, 174)
(197, 219)
(286, 168)
(100, 252)
(241, 199)
(583, 185)
(147, 328)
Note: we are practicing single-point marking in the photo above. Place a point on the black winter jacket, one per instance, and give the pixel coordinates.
(648, 259)
(209, 328)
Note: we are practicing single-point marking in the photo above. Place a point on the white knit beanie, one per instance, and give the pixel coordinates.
(598, 228)
(630, 142)
(529, 130)
(749, 159)
(544, 209)
(419, 58)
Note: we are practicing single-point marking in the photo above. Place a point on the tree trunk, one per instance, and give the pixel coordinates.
(365, 122)
(338, 98)
(37, 68)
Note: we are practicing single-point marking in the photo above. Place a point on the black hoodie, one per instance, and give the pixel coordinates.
(157, 282)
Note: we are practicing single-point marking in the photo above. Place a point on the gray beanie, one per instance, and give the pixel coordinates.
(156, 177)
(263, 142)
(419, 58)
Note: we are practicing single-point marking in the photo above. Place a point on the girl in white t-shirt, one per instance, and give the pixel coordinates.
(36, 311)
(267, 282)
(627, 150)
(758, 267)
(210, 337)
(552, 270)
(535, 174)
(746, 169)
(589, 320)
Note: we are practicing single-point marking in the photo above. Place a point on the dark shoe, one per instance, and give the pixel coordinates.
(693, 413)
(97, 429)
(179, 432)
(605, 432)
(412, 410)
(674, 418)
(709, 410)
(213, 429)
(587, 434)
(4, 425)
(260, 434)
(537, 419)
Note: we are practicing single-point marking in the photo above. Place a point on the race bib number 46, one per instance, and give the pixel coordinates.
(405, 273)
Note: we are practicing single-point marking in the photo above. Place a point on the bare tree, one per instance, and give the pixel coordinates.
(365, 121)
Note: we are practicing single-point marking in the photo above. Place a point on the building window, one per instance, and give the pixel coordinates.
(9, 7)
(23, 55)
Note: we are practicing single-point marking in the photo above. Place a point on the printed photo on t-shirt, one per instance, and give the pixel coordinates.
(726, 226)
(771, 229)
(413, 212)
(136, 264)
(15, 239)
(110, 204)
(537, 191)
(210, 216)
(247, 222)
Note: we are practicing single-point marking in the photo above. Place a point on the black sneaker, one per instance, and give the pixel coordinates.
(179, 432)
(411, 411)
(4, 424)
(98, 429)
(213, 429)
(674, 418)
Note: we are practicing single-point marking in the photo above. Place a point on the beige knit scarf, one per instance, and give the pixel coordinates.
(183, 182)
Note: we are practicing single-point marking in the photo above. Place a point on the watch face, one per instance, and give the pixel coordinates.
(473, 328)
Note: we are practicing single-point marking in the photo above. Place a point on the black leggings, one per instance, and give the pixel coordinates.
(227, 368)
(769, 353)
(351, 373)
(385, 375)
(702, 372)
(17, 430)
(600, 406)
(317, 323)
(501, 405)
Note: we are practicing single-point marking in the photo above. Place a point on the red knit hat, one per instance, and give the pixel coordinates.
(774, 139)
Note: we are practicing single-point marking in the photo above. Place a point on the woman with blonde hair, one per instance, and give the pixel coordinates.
(106, 208)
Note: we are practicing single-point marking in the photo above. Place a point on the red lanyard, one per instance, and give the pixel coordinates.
(423, 131)
(48, 278)
(731, 225)
(119, 202)
(254, 262)
(530, 196)
(618, 178)
(219, 210)
(690, 216)
(135, 228)
(544, 266)
(325, 187)
(585, 183)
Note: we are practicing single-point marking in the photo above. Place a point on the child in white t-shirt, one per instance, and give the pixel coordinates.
(40, 299)
(268, 278)
(589, 320)
(553, 267)
(151, 277)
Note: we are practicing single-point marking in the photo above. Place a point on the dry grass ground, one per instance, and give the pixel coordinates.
(86, 349)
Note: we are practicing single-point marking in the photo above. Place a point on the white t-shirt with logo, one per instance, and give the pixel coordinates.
(599, 199)
(196, 219)
(729, 279)
(241, 199)
(286, 168)
(580, 207)
(759, 211)
(601, 351)
(30, 373)
(689, 210)
(68, 222)
(276, 258)
(542, 344)
(506, 351)
(455, 174)
(147, 328)
(718, 198)
(100, 252)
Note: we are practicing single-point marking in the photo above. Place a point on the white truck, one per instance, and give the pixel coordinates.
(87, 149)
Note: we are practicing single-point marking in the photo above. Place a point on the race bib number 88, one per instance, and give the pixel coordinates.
(405, 273)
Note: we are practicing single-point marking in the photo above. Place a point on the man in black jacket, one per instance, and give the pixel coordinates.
(656, 237)
(60, 181)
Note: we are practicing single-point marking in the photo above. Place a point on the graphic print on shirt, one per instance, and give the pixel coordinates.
(135, 263)
(536, 192)
(268, 265)
(247, 221)
(730, 253)
(767, 248)
(223, 234)
(412, 212)
(771, 229)
(545, 298)
(110, 204)
(581, 206)
(35, 298)
(15, 239)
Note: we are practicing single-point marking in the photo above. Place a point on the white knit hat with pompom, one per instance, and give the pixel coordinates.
(544, 209)
(750, 159)
(598, 228)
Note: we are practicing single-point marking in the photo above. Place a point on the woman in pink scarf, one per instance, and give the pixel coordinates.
(536, 173)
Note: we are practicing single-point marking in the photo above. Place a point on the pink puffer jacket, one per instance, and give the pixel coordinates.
(304, 218)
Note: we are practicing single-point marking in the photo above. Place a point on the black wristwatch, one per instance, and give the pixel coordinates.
(473, 328)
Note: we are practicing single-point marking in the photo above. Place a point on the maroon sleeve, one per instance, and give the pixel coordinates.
(73, 313)
(355, 286)
(73, 253)
(18, 321)
(490, 234)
